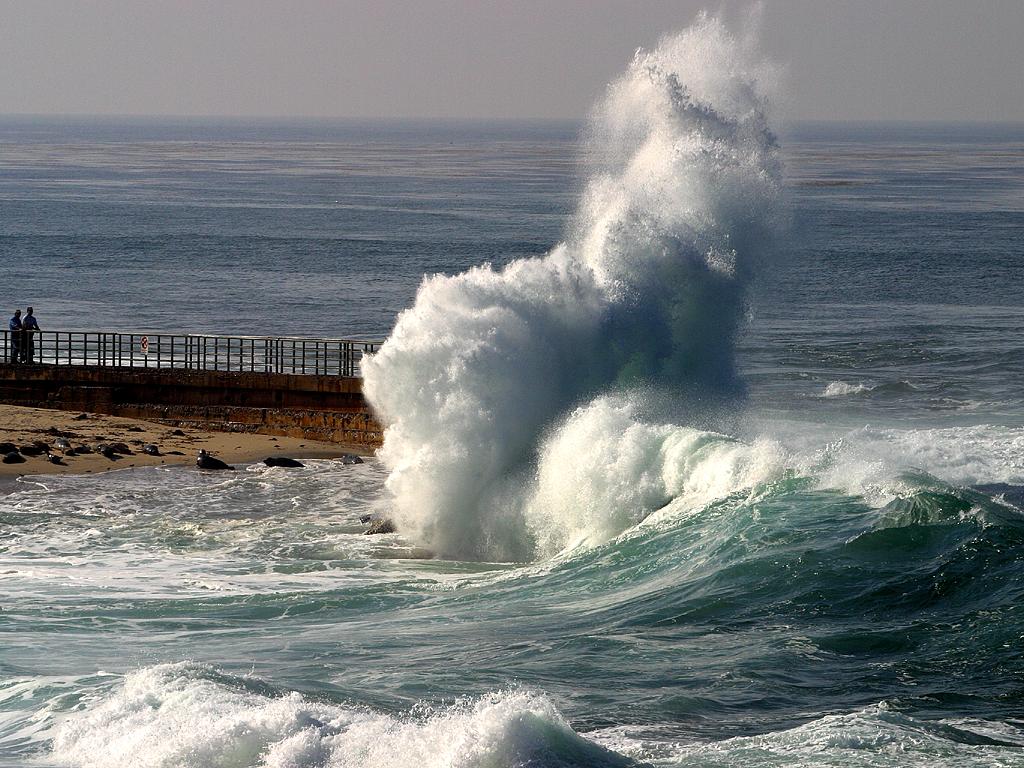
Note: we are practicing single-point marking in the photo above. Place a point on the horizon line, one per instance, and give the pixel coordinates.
(456, 118)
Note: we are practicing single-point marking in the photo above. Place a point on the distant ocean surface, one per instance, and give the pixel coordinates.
(857, 600)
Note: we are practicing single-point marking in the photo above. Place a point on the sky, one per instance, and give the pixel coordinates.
(957, 60)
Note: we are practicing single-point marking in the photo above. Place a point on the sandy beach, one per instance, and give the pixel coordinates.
(26, 426)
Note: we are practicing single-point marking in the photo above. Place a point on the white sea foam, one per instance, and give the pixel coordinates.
(872, 461)
(870, 737)
(189, 715)
(646, 289)
(843, 388)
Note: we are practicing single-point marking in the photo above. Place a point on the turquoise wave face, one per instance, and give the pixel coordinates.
(779, 620)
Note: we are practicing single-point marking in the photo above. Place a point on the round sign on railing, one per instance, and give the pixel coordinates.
(145, 345)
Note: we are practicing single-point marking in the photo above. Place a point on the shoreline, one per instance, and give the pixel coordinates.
(23, 425)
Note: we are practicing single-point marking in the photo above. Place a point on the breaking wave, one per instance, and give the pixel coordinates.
(189, 714)
(491, 374)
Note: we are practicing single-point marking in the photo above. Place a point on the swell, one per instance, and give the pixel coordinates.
(753, 615)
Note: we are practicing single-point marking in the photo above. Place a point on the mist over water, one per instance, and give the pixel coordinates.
(646, 292)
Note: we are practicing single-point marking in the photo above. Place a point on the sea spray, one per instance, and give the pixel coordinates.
(645, 292)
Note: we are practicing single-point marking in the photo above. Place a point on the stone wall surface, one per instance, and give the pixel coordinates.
(328, 408)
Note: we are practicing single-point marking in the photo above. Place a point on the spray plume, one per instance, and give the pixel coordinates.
(489, 369)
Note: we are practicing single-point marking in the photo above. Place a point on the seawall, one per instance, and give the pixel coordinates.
(328, 408)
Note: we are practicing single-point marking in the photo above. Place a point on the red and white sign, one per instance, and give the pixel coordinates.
(145, 345)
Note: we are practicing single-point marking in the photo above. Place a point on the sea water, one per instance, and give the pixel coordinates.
(714, 456)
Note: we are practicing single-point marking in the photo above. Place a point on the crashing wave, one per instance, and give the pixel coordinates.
(646, 291)
(190, 715)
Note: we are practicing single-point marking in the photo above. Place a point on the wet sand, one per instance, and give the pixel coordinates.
(24, 426)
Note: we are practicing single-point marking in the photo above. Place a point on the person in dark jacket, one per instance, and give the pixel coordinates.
(14, 326)
(29, 328)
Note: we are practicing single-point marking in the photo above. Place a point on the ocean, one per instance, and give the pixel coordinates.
(706, 449)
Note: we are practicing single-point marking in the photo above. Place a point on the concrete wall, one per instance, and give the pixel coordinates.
(329, 408)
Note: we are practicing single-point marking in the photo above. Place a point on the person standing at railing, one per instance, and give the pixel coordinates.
(29, 328)
(14, 326)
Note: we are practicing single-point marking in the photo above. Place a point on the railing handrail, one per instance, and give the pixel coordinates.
(331, 340)
(301, 355)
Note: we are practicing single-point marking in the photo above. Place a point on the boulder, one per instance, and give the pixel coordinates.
(380, 525)
(13, 457)
(351, 458)
(151, 449)
(6, 448)
(34, 449)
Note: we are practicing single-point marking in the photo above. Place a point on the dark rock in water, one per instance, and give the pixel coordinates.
(13, 457)
(150, 449)
(206, 461)
(351, 458)
(34, 449)
(381, 525)
(121, 448)
(6, 448)
(282, 461)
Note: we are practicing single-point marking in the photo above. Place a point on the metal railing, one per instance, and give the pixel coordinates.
(264, 354)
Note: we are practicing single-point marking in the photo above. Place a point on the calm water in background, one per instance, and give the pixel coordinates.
(831, 620)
